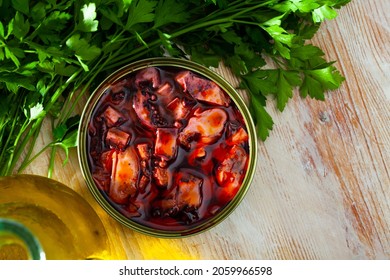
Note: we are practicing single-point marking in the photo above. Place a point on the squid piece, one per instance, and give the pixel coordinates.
(161, 176)
(165, 90)
(179, 109)
(147, 113)
(164, 95)
(102, 180)
(124, 175)
(112, 117)
(148, 76)
(143, 182)
(106, 160)
(231, 171)
(237, 137)
(117, 138)
(133, 210)
(197, 155)
(118, 86)
(142, 108)
(145, 154)
(144, 151)
(207, 125)
(166, 146)
(188, 191)
(186, 195)
(202, 89)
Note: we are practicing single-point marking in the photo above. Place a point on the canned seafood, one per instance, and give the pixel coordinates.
(167, 147)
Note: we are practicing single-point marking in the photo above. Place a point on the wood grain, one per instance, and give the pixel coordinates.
(322, 184)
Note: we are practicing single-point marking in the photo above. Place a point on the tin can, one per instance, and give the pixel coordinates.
(101, 189)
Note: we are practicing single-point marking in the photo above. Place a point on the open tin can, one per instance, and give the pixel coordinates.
(167, 147)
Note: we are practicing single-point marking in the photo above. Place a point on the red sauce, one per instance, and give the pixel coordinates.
(168, 148)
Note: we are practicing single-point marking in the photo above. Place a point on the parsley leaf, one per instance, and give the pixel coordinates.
(140, 12)
(53, 24)
(70, 141)
(317, 81)
(22, 6)
(36, 112)
(20, 26)
(286, 82)
(282, 39)
(82, 48)
(262, 119)
(168, 44)
(170, 11)
(65, 135)
(323, 12)
(260, 82)
(88, 22)
(306, 52)
(15, 81)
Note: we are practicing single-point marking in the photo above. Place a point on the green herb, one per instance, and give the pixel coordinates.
(52, 52)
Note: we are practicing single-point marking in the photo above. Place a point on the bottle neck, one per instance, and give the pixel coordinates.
(18, 242)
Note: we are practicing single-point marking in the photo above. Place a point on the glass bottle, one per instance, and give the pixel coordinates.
(18, 243)
(63, 222)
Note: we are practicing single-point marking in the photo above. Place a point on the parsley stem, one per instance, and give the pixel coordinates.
(20, 147)
(36, 125)
(142, 50)
(30, 160)
(246, 22)
(30, 149)
(62, 88)
(6, 168)
(52, 161)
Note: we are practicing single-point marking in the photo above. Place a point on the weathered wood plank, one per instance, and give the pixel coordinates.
(322, 184)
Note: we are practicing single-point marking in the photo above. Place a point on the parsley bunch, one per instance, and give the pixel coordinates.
(52, 52)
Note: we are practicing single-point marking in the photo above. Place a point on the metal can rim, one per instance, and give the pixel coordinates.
(184, 64)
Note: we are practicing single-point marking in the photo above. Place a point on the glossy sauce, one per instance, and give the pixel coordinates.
(184, 140)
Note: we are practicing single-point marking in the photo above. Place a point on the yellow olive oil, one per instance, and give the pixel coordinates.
(64, 223)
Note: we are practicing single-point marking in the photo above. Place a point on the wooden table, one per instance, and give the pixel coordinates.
(322, 184)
